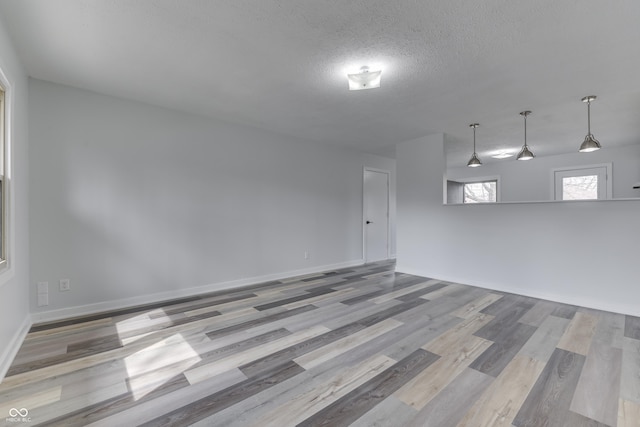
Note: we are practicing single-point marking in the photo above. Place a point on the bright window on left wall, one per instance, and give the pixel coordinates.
(4, 192)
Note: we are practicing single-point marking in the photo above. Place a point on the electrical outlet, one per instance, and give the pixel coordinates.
(65, 285)
(43, 288)
(43, 299)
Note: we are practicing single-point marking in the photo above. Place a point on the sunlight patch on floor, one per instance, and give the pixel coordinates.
(157, 364)
(125, 327)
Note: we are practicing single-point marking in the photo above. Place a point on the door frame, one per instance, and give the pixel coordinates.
(364, 213)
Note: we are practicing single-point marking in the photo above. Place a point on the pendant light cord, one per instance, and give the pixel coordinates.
(474, 140)
(589, 117)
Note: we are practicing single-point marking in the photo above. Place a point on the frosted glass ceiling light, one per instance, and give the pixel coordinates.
(474, 162)
(365, 79)
(590, 143)
(525, 153)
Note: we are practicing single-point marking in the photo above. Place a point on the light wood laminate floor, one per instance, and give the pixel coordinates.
(361, 346)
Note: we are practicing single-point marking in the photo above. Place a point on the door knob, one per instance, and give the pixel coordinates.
(369, 222)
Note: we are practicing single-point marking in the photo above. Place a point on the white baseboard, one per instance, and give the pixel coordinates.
(631, 309)
(83, 310)
(9, 353)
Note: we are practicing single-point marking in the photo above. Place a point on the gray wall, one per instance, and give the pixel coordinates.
(583, 252)
(134, 203)
(14, 283)
(531, 180)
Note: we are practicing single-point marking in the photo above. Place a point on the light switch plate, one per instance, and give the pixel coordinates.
(43, 287)
(65, 285)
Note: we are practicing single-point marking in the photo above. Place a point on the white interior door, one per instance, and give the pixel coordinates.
(376, 215)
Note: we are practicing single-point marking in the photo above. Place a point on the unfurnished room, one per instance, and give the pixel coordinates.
(320, 213)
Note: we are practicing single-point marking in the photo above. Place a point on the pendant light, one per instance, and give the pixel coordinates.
(525, 153)
(474, 162)
(590, 143)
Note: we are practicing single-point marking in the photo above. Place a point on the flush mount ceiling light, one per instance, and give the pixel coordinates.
(474, 162)
(365, 79)
(525, 153)
(590, 143)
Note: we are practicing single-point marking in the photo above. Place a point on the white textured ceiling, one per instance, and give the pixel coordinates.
(281, 65)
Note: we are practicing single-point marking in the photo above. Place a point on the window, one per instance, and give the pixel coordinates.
(476, 189)
(585, 183)
(480, 192)
(580, 187)
(3, 182)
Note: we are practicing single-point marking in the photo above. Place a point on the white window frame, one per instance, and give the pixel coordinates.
(8, 199)
(605, 190)
(3, 181)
